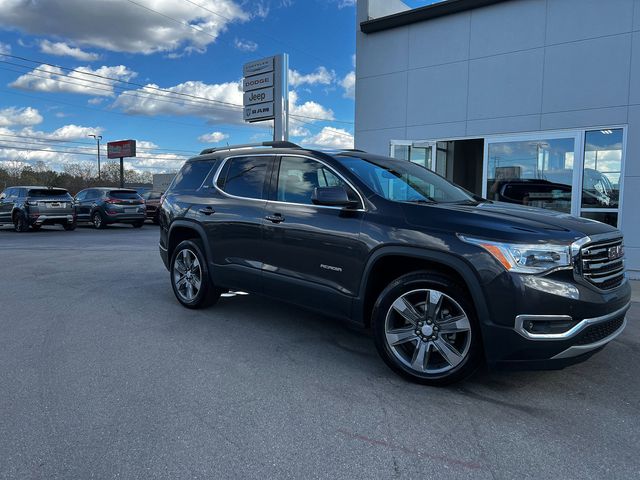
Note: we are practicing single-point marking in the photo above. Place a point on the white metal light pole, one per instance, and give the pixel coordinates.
(98, 138)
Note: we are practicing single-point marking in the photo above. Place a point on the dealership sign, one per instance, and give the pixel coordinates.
(259, 111)
(265, 87)
(122, 148)
(258, 96)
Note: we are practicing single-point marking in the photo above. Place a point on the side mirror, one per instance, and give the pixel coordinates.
(332, 197)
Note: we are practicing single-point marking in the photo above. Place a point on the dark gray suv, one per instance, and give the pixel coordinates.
(103, 206)
(34, 207)
(445, 280)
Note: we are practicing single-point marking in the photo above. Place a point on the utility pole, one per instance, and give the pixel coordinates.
(97, 138)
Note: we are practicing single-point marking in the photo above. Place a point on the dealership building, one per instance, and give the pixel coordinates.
(528, 101)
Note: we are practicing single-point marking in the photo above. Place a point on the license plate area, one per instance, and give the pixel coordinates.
(130, 210)
(54, 205)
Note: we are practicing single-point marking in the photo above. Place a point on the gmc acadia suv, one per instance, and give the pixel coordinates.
(444, 279)
(33, 207)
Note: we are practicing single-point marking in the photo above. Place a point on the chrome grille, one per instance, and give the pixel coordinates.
(602, 263)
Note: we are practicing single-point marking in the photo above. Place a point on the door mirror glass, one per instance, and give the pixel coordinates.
(332, 197)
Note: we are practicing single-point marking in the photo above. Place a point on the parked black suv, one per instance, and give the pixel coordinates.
(34, 207)
(104, 206)
(444, 279)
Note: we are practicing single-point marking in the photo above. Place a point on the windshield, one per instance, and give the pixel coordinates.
(403, 181)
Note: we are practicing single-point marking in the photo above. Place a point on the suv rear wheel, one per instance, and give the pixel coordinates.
(425, 329)
(20, 222)
(98, 221)
(190, 276)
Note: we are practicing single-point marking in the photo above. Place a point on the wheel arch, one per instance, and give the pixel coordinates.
(181, 230)
(389, 263)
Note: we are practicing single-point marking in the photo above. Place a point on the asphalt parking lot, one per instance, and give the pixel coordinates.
(103, 375)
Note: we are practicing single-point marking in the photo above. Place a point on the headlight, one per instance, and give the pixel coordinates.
(525, 258)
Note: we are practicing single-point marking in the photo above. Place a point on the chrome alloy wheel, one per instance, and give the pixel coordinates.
(428, 331)
(187, 275)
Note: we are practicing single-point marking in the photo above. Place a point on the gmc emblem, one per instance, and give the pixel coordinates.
(615, 252)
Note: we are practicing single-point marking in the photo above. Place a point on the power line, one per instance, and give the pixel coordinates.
(103, 110)
(121, 92)
(144, 87)
(11, 147)
(59, 140)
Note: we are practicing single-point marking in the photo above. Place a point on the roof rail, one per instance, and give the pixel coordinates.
(276, 144)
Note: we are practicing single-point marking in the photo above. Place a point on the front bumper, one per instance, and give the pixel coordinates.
(582, 320)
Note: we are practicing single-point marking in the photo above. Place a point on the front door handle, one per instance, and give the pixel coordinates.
(277, 218)
(207, 210)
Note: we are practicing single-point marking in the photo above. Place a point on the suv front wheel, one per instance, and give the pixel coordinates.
(425, 329)
(190, 279)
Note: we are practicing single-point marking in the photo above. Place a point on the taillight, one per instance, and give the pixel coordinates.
(111, 200)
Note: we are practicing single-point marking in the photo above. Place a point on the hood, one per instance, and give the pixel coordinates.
(505, 222)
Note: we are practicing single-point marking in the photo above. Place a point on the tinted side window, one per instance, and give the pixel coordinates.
(81, 195)
(245, 176)
(299, 177)
(191, 176)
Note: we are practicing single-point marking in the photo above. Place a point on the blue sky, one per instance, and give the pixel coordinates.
(166, 73)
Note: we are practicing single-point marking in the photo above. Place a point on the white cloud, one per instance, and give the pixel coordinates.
(95, 101)
(310, 110)
(154, 161)
(330, 137)
(220, 103)
(346, 3)
(5, 49)
(31, 145)
(321, 76)
(125, 27)
(51, 148)
(245, 45)
(61, 49)
(82, 80)
(19, 116)
(213, 137)
(298, 131)
(348, 83)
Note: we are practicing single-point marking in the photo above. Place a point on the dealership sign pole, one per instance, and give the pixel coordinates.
(266, 86)
(121, 149)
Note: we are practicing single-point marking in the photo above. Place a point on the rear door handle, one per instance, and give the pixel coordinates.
(277, 218)
(207, 211)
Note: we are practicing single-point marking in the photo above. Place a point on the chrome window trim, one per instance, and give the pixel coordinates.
(572, 332)
(222, 164)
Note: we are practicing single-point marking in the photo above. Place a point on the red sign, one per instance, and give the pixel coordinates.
(122, 148)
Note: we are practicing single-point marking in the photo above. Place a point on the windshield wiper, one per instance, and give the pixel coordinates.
(429, 201)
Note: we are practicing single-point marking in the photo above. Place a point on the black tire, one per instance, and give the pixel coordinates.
(453, 311)
(36, 227)
(208, 294)
(20, 223)
(69, 227)
(138, 224)
(156, 219)
(98, 220)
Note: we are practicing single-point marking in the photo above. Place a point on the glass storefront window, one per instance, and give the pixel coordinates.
(401, 152)
(538, 173)
(602, 168)
(605, 217)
